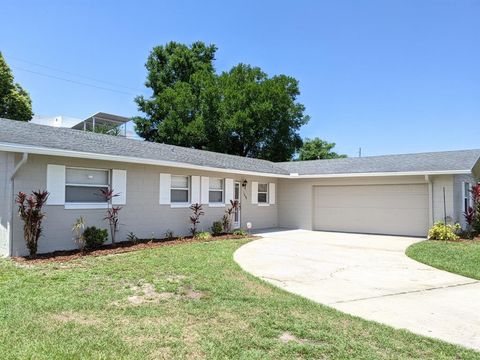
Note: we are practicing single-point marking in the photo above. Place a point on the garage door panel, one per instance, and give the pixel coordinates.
(383, 209)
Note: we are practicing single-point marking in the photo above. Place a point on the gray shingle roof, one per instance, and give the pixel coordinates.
(432, 161)
(22, 133)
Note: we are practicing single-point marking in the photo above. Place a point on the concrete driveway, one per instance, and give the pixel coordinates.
(369, 276)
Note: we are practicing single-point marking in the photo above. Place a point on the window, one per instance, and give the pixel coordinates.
(215, 191)
(180, 188)
(84, 185)
(262, 193)
(466, 196)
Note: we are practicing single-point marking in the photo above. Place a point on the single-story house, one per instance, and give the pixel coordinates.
(394, 194)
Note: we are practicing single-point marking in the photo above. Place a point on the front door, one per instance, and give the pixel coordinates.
(236, 215)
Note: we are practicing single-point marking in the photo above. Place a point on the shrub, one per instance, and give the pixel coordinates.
(195, 217)
(94, 237)
(203, 235)
(440, 231)
(78, 228)
(169, 234)
(30, 211)
(217, 228)
(240, 232)
(132, 238)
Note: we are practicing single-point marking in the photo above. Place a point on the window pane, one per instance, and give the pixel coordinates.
(262, 197)
(216, 184)
(179, 196)
(83, 194)
(87, 177)
(180, 182)
(237, 191)
(215, 196)
(262, 187)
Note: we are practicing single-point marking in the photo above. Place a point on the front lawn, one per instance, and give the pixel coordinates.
(185, 301)
(461, 257)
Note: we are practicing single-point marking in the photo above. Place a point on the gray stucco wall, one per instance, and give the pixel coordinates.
(6, 168)
(142, 214)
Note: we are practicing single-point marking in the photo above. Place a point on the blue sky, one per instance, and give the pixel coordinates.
(388, 76)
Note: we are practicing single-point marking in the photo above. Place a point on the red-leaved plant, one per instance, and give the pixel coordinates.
(30, 211)
(112, 212)
(227, 218)
(195, 217)
(476, 208)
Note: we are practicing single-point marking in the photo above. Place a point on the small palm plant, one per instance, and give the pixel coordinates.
(30, 211)
(195, 217)
(112, 212)
(78, 228)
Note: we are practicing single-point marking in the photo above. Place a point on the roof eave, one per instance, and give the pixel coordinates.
(9, 147)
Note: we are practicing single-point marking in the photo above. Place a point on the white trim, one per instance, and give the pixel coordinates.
(228, 191)
(216, 205)
(205, 189)
(9, 147)
(164, 189)
(271, 193)
(180, 205)
(73, 206)
(254, 199)
(263, 204)
(56, 175)
(119, 186)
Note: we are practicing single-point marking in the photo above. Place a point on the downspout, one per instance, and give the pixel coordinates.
(22, 161)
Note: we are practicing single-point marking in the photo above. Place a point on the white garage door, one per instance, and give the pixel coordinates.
(376, 209)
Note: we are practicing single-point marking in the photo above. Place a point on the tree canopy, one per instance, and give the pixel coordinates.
(316, 149)
(242, 111)
(15, 103)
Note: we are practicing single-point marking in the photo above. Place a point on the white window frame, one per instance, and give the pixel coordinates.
(467, 196)
(188, 189)
(263, 203)
(220, 203)
(87, 205)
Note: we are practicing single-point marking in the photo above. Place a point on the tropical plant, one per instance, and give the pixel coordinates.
(94, 237)
(78, 228)
(132, 238)
(476, 208)
(227, 217)
(217, 228)
(112, 212)
(203, 235)
(198, 212)
(30, 211)
(440, 231)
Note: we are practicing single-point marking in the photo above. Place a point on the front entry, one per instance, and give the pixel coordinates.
(236, 215)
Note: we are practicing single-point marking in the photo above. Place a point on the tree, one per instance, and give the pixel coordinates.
(242, 112)
(316, 149)
(183, 82)
(15, 103)
(259, 115)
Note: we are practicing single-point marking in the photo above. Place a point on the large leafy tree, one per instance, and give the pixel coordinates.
(15, 103)
(316, 149)
(183, 82)
(241, 112)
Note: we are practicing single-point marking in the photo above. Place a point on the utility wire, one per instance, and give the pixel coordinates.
(74, 81)
(72, 73)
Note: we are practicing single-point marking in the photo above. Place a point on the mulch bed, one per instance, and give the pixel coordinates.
(119, 248)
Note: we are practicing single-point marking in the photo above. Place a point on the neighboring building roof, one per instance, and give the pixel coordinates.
(459, 160)
(21, 136)
(70, 140)
(56, 121)
(101, 118)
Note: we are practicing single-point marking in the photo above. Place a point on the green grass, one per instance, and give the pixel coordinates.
(461, 258)
(81, 309)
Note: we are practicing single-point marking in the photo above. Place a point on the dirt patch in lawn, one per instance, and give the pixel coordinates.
(146, 293)
(77, 318)
(287, 337)
(119, 248)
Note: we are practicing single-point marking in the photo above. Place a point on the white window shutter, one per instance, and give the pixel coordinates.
(165, 185)
(195, 197)
(254, 192)
(119, 186)
(205, 187)
(271, 193)
(228, 190)
(56, 184)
